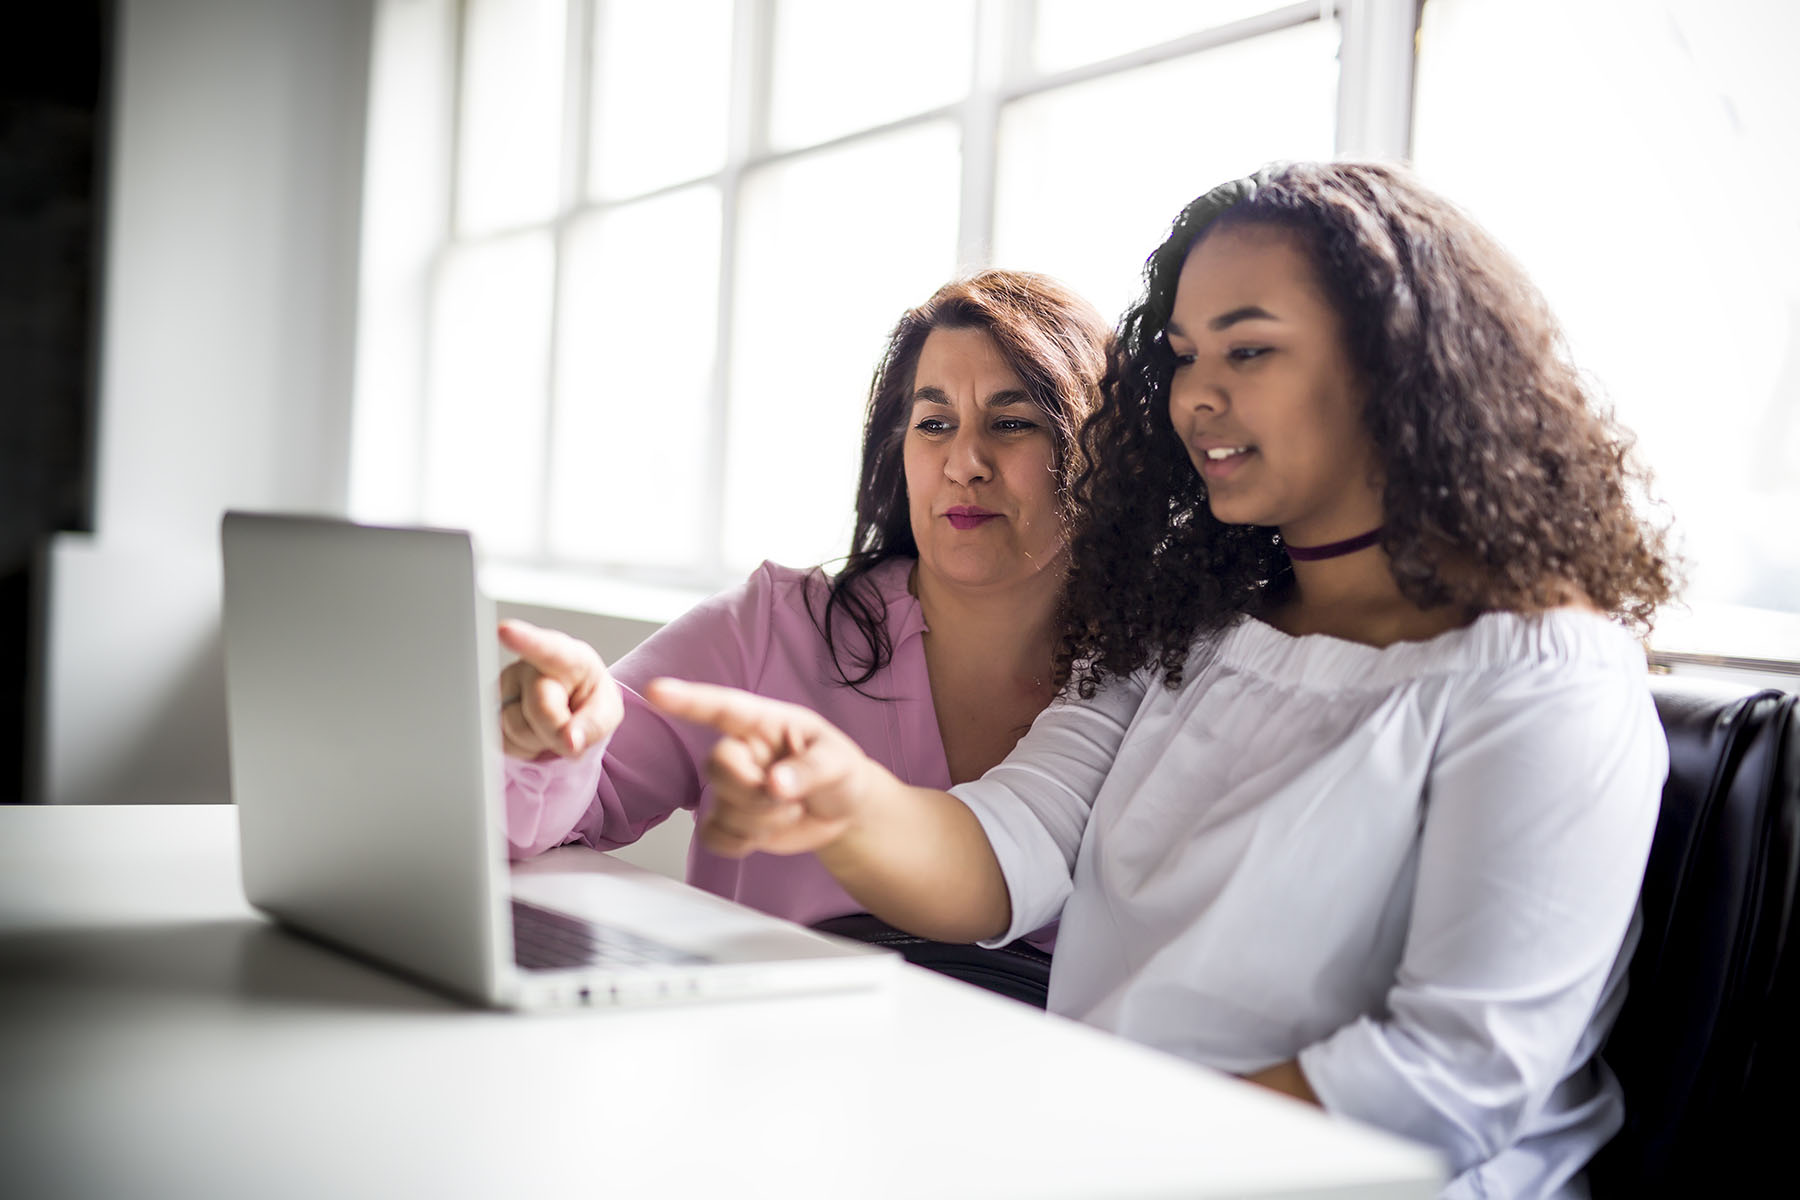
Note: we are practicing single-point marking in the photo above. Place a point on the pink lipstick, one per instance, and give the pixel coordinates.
(967, 516)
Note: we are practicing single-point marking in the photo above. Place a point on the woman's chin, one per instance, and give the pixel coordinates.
(986, 571)
(1227, 513)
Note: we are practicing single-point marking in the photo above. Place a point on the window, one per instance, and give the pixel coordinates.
(628, 266)
(1057, 210)
(638, 336)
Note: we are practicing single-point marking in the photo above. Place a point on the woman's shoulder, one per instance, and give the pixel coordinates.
(1573, 634)
(1555, 641)
(873, 608)
(1563, 664)
(768, 594)
(884, 583)
(774, 614)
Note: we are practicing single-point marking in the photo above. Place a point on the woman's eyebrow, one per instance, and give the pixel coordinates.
(1000, 399)
(1248, 312)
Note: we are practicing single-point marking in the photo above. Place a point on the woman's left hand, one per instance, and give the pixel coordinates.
(558, 698)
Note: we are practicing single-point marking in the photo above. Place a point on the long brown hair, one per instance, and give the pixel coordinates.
(1052, 338)
(1505, 485)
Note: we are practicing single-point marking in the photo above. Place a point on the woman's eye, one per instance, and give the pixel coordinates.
(931, 425)
(1243, 354)
(1014, 425)
(1180, 358)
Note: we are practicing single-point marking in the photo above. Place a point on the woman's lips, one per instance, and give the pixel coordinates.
(963, 516)
(1225, 468)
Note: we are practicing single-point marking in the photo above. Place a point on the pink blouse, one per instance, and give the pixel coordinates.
(758, 637)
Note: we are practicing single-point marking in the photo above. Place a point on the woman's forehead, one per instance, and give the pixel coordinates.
(1244, 265)
(963, 352)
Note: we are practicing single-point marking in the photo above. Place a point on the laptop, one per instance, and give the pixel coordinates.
(362, 674)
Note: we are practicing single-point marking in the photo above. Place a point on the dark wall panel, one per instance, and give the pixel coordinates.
(52, 139)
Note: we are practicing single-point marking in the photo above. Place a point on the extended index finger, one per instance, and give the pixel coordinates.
(551, 652)
(732, 712)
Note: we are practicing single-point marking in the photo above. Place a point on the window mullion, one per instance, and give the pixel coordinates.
(1375, 77)
(434, 271)
(752, 49)
(458, 56)
(578, 103)
(980, 116)
(571, 189)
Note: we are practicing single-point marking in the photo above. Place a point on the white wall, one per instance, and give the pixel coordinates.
(234, 183)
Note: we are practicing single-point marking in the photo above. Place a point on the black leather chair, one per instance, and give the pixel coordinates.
(1707, 1047)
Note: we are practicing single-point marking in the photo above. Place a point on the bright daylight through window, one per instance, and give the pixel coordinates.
(628, 265)
(1646, 179)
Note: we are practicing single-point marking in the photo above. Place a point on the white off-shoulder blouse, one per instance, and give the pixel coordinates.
(1413, 868)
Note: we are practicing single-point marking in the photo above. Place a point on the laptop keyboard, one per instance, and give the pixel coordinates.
(551, 941)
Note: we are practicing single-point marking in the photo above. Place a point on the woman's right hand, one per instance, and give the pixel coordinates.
(558, 698)
(785, 780)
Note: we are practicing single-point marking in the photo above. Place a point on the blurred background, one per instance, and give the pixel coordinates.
(605, 280)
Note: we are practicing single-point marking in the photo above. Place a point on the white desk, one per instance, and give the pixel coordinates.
(160, 1039)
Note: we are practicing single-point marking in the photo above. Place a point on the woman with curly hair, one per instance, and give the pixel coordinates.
(1355, 785)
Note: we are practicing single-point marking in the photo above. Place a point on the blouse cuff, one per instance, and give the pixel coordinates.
(546, 799)
(1357, 1073)
(1037, 874)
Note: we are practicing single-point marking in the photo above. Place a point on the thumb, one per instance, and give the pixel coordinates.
(821, 772)
(597, 715)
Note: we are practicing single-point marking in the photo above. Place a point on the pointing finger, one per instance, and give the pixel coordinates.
(569, 659)
(730, 711)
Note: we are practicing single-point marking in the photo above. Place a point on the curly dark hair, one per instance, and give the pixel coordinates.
(1057, 344)
(1505, 485)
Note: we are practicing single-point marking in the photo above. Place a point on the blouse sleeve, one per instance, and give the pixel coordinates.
(651, 765)
(1034, 805)
(1540, 806)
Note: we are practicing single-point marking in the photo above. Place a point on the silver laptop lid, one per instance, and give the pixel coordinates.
(360, 680)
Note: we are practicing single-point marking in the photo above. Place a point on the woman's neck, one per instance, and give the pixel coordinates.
(1354, 597)
(1003, 631)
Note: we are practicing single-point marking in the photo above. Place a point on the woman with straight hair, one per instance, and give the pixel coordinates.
(1354, 784)
(932, 646)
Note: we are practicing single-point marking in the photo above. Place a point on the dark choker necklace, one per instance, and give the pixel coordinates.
(1361, 541)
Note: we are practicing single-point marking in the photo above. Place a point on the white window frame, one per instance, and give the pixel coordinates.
(1373, 119)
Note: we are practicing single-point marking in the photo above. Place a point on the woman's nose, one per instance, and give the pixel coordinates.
(969, 460)
(1188, 392)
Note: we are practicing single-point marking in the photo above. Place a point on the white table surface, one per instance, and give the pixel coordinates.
(158, 1038)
